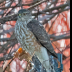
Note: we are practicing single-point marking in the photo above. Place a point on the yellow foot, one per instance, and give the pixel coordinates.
(58, 64)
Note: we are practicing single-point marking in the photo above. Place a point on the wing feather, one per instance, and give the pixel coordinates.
(42, 36)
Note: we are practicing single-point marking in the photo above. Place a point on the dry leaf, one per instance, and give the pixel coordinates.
(24, 55)
(16, 54)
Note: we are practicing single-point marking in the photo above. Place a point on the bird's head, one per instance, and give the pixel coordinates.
(24, 15)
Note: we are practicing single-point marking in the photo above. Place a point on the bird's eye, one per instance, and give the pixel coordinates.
(24, 14)
(19, 14)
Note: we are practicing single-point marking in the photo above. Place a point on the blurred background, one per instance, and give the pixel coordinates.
(53, 14)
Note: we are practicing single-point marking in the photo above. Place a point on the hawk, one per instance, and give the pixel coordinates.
(32, 36)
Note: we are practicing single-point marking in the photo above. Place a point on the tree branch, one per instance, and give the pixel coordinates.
(14, 17)
(7, 39)
(7, 31)
(18, 5)
(55, 38)
(3, 58)
(2, 1)
(64, 36)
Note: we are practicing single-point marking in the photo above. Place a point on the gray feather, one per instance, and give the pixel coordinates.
(40, 33)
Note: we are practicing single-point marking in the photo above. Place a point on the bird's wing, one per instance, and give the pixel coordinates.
(40, 33)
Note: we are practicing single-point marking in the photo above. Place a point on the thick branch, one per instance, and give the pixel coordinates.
(7, 47)
(56, 8)
(8, 44)
(14, 17)
(3, 58)
(55, 38)
(1, 1)
(8, 18)
(7, 39)
(18, 5)
(37, 4)
(7, 31)
(64, 36)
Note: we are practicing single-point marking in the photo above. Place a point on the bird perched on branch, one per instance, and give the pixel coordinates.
(33, 38)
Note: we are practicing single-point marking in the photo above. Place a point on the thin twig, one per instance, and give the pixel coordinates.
(52, 24)
(8, 64)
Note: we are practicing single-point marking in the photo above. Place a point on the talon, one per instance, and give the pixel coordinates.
(58, 64)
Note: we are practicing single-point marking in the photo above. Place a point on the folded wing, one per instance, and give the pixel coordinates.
(40, 33)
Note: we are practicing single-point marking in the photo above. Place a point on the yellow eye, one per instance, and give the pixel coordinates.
(24, 14)
(19, 14)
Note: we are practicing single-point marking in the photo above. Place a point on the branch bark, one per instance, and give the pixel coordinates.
(3, 58)
(55, 38)
(14, 17)
(7, 31)
(64, 36)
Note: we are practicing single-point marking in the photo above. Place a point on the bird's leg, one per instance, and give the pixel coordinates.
(59, 65)
(29, 65)
(44, 58)
(44, 64)
(30, 59)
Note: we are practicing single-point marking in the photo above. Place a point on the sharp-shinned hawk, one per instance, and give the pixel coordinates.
(32, 36)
